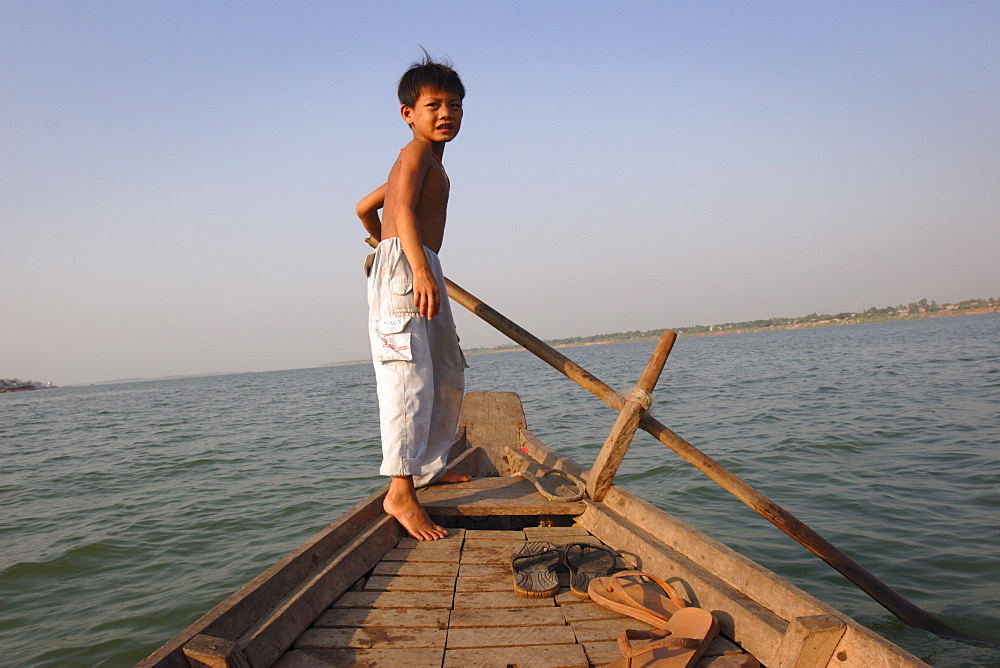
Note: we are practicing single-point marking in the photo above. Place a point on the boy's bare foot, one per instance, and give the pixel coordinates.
(452, 476)
(401, 502)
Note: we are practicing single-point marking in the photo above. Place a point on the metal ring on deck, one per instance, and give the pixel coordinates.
(529, 476)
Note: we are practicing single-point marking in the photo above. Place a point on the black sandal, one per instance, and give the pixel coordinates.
(534, 567)
(585, 562)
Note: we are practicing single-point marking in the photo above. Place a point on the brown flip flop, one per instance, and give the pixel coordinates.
(686, 637)
(652, 602)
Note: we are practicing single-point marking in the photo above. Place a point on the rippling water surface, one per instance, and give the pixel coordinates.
(126, 511)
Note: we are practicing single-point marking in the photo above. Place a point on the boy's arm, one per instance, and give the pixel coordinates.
(414, 161)
(367, 210)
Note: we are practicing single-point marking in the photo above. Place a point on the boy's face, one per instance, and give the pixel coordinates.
(436, 116)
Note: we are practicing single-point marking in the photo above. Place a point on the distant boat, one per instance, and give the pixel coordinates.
(24, 387)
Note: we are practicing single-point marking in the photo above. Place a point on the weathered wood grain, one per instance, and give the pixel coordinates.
(431, 568)
(510, 636)
(383, 617)
(498, 599)
(495, 552)
(214, 653)
(545, 656)
(588, 611)
(485, 583)
(373, 637)
(517, 617)
(492, 496)
(413, 657)
(487, 534)
(410, 583)
(395, 599)
(809, 641)
(484, 570)
(605, 629)
(410, 554)
(492, 421)
(447, 543)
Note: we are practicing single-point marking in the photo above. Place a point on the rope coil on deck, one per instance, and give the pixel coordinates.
(530, 477)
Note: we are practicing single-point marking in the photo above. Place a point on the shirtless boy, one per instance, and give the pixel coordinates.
(419, 366)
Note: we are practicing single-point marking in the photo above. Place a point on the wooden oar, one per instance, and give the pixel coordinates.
(882, 593)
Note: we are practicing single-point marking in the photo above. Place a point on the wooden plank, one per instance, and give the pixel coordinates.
(728, 661)
(487, 534)
(496, 553)
(431, 568)
(555, 533)
(365, 638)
(485, 583)
(383, 617)
(490, 617)
(498, 599)
(414, 657)
(395, 599)
(605, 629)
(276, 631)
(409, 583)
(233, 616)
(484, 570)
(860, 646)
(567, 598)
(214, 653)
(588, 611)
(492, 496)
(492, 421)
(809, 641)
(605, 651)
(550, 656)
(510, 636)
(413, 555)
(447, 543)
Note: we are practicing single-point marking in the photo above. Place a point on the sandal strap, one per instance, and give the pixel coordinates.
(667, 640)
(611, 552)
(616, 586)
(534, 555)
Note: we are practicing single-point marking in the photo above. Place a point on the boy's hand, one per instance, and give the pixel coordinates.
(426, 295)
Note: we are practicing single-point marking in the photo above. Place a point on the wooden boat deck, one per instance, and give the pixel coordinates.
(451, 603)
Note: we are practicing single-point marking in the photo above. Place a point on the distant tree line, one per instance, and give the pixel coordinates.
(913, 310)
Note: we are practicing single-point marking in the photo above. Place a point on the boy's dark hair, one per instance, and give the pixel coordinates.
(431, 75)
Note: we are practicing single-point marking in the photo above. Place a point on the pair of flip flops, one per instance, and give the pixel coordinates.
(682, 633)
(534, 566)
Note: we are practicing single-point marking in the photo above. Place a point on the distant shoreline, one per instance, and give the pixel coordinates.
(914, 311)
(736, 328)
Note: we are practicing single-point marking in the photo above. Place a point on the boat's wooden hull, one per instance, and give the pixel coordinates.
(767, 616)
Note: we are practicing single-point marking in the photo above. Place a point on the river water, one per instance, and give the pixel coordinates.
(126, 511)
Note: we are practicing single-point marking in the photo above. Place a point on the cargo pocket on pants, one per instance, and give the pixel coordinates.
(401, 298)
(394, 340)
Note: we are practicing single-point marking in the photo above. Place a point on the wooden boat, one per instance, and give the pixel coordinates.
(359, 593)
(363, 593)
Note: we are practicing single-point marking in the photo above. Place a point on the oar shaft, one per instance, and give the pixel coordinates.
(542, 350)
(772, 512)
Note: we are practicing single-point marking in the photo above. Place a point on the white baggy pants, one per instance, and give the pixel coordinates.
(419, 368)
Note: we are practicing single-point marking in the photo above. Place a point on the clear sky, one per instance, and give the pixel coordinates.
(178, 179)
